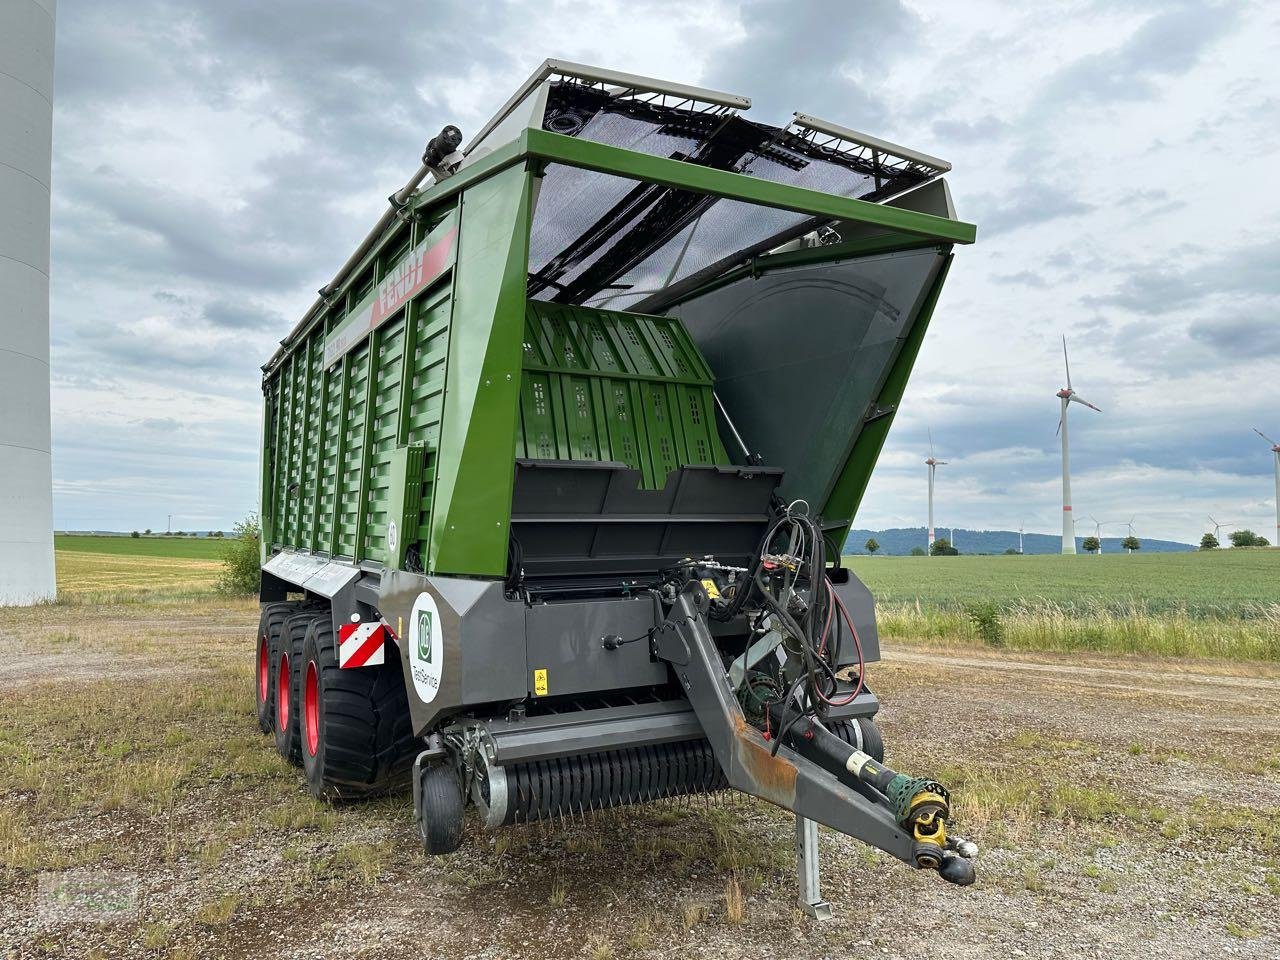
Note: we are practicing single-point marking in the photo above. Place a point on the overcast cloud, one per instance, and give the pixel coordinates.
(216, 160)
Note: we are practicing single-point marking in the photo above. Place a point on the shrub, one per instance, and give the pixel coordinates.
(241, 559)
(985, 617)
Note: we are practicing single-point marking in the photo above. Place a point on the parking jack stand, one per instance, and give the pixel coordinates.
(811, 901)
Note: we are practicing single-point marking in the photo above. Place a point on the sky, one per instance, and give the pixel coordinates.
(215, 161)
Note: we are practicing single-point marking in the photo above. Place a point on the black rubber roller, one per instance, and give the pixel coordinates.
(563, 786)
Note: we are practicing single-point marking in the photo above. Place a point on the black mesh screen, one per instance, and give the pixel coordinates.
(607, 241)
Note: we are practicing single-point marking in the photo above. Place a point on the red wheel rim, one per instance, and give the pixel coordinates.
(282, 693)
(264, 672)
(311, 708)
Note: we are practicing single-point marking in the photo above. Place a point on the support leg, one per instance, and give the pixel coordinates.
(811, 901)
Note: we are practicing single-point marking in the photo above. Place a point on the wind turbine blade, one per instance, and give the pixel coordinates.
(1066, 362)
(941, 463)
(1059, 430)
(930, 443)
(1075, 397)
(1265, 437)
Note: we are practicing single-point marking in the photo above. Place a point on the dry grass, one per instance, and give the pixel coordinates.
(1128, 628)
(164, 775)
(97, 578)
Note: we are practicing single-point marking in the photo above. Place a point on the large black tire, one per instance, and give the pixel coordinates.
(288, 682)
(440, 808)
(356, 735)
(269, 624)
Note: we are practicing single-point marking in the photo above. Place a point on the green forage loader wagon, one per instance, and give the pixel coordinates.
(557, 469)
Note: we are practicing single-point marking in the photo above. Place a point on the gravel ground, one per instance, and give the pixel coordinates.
(1123, 809)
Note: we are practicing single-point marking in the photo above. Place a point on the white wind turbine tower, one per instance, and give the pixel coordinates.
(1130, 526)
(1067, 395)
(933, 463)
(1217, 528)
(1097, 531)
(1275, 449)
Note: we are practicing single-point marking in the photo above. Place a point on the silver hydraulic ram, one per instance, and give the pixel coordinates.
(812, 773)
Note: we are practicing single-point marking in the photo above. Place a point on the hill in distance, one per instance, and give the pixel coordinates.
(898, 541)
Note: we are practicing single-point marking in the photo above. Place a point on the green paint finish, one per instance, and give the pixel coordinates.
(846, 496)
(471, 499)
(603, 385)
(405, 277)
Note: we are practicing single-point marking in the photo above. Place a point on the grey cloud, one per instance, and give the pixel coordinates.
(1029, 204)
(983, 130)
(1153, 288)
(819, 58)
(159, 423)
(1239, 338)
(1167, 44)
(1026, 278)
(238, 315)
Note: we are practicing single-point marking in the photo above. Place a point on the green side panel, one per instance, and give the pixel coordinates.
(471, 499)
(604, 385)
(270, 432)
(382, 438)
(404, 501)
(353, 447)
(327, 467)
(308, 457)
(846, 495)
(426, 395)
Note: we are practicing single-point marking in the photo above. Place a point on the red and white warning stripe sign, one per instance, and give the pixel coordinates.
(362, 644)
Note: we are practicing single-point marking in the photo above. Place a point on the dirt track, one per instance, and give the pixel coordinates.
(1112, 802)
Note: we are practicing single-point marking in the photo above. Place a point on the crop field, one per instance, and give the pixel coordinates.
(195, 548)
(1209, 582)
(1123, 807)
(1222, 604)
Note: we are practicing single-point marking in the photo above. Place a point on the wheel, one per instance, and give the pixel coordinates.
(269, 624)
(288, 683)
(356, 735)
(440, 805)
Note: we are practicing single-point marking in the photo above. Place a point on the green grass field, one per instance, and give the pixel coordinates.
(1225, 582)
(1223, 604)
(192, 548)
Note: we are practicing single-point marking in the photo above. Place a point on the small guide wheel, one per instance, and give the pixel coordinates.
(440, 807)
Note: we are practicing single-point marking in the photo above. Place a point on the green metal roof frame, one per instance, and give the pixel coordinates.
(546, 147)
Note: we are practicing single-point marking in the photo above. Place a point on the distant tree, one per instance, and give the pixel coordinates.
(1131, 544)
(146, 532)
(1090, 544)
(872, 545)
(135, 535)
(1247, 538)
(942, 548)
(1209, 542)
(1012, 552)
(918, 552)
(178, 533)
(216, 533)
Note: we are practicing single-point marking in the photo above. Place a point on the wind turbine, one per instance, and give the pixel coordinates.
(1067, 395)
(1020, 550)
(933, 463)
(1130, 526)
(1217, 528)
(1275, 449)
(1097, 533)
